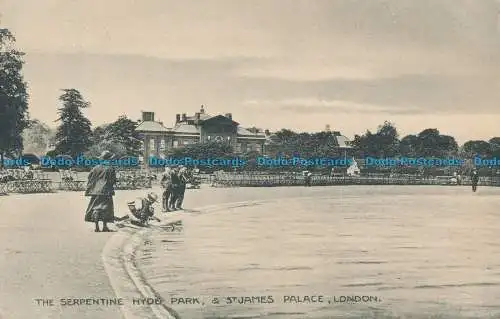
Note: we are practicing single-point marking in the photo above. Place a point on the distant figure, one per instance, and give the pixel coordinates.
(183, 180)
(141, 210)
(475, 179)
(166, 185)
(353, 169)
(308, 179)
(28, 173)
(100, 188)
(176, 188)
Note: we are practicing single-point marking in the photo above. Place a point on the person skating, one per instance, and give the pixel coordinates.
(183, 180)
(308, 178)
(176, 186)
(166, 184)
(141, 210)
(475, 179)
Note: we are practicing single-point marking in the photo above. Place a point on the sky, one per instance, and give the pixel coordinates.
(273, 64)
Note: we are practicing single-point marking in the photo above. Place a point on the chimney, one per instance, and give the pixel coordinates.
(148, 116)
(229, 116)
(202, 110)
(177, 118)
(183, 117)
(197, 115)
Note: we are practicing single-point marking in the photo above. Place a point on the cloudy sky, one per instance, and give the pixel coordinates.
(273, 63)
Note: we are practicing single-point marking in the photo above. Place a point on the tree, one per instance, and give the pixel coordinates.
(13, 97)
(203, 150)
(495, 146)
(471, 149)
(428, 141)
(115, 147)
(37, 137)
(74, 133)
(99, 134)
(408, 146)
(387, 140)
(447, 146)
(123, 132)
(495, 141)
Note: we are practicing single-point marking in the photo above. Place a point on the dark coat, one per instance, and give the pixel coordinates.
(101, 181)
(145, 211)
(474, 178)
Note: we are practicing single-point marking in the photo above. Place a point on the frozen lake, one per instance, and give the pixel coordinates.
(399, 252)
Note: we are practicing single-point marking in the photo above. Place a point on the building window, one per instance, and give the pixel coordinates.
(229, 138)
(209, 137)
(176, 143)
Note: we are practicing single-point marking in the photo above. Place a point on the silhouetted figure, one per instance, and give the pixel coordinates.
(176, 188)
(475, 179)
(183, 180)
(308, 178)
(100, 188)
(141, 210)
(166, 184)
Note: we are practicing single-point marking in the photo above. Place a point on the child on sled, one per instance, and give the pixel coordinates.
(141, 210)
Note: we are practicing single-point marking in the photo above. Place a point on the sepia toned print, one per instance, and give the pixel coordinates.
(280, 159)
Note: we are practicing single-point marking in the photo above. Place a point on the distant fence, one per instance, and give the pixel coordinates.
(263, 180)
(39, 183)
(36, 181)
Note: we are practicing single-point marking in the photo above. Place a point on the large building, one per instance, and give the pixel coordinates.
(200, 127)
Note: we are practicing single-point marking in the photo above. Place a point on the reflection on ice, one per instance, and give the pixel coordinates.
(417, 255)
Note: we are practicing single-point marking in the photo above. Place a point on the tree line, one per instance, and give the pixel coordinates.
(75, 136)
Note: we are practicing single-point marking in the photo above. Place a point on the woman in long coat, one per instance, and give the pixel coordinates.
(100, 188)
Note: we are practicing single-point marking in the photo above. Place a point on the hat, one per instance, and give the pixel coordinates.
(152, 197)
(106, 155)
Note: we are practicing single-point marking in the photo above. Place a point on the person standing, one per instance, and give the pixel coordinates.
(308, 178)
(175, 188)
(100, 188)
(475, 179)
(166, 184)
(183, 180)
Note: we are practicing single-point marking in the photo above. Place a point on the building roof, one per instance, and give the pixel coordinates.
(149, 126)
(185, 128)
(203, 117)
(244, 132)
(342, 141)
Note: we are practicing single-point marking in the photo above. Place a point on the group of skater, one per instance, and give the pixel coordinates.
(102, 180)
(173, 182)
(101, 189)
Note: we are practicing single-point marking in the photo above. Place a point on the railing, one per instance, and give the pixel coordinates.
(127, 180)
(261, 180)
(22, 181)
(70, 181)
